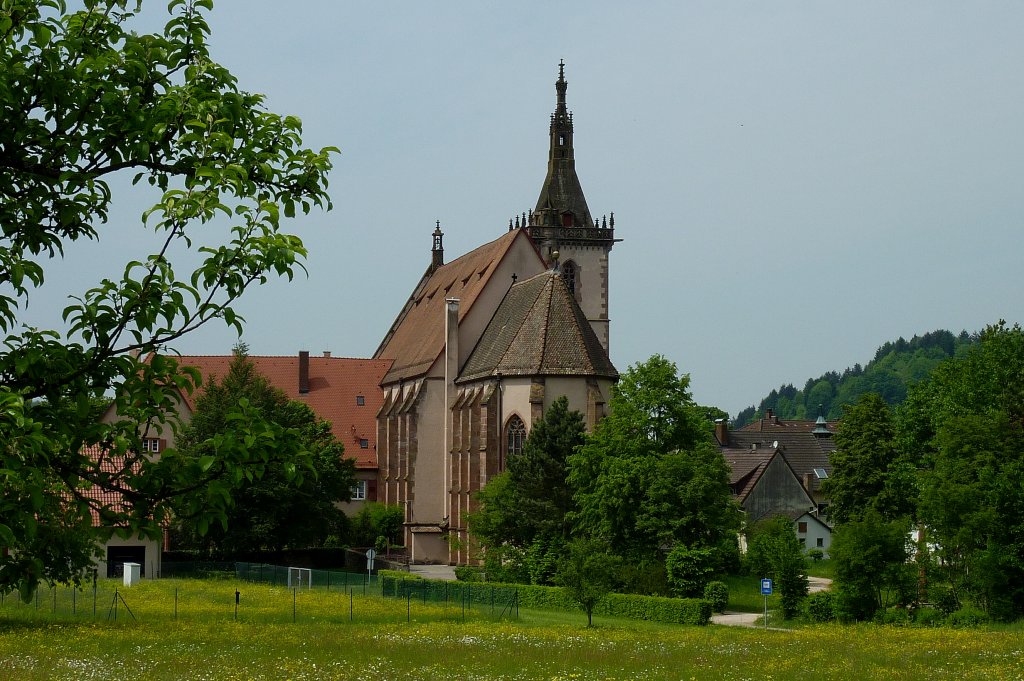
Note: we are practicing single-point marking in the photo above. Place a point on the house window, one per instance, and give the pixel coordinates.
(821, 473)
(569, 275)
(820, 542)
(516, 436)
(363, 443)
(151, 445)
(359, 491)
(801, 527)
(360, 400)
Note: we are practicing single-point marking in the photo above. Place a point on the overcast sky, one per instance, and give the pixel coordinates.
(795, 183)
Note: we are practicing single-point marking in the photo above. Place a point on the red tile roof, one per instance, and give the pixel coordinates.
(104, 498)
(416, 337)
(335, 384)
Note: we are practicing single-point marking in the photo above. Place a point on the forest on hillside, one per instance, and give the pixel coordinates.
(896, 366)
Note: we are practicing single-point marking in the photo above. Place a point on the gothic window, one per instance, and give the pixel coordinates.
(569, 275)
(516, 430)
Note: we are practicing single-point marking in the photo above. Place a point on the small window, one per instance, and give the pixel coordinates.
(151, 445)
(516, 436)
(360, 400)
(801, 527)
(364, 443)
(359, 491)
(569, 276)
(821, 542)
(561, 140)
(821, 473)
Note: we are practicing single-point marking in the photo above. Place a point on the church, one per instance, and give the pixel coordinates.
(484, 344)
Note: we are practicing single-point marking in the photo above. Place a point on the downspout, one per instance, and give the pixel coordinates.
(451, 372)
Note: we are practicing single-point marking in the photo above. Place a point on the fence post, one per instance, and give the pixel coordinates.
(175, 603)
(349, 606)
(293, 605)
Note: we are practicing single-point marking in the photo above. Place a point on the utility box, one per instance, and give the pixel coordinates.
(132, 573)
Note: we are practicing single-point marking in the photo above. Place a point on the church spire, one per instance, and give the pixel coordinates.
(561, 201)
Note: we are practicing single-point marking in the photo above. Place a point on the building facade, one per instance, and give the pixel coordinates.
(484, 345)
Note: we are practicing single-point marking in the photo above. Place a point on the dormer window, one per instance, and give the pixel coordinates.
(360, 400)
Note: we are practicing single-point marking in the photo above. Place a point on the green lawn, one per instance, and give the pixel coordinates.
(377, 642)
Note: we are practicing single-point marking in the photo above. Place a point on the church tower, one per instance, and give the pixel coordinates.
(562, 227)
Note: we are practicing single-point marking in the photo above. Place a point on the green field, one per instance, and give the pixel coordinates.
(338, 635)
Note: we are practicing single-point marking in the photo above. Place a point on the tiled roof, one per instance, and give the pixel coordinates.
(773, 424)
(416, 338)
(335, 383)
(538, 330)
(104, 498)
(802, 450)
(745, 468)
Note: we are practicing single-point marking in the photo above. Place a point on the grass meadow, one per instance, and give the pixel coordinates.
(281, 634)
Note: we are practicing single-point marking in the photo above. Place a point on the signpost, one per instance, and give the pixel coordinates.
(766, 591)
(370, 555)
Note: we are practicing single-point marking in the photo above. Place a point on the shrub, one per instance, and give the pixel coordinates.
(967, 617)
(689, 569)
(821, 606)
(465, 573)
(895, 616)
(816, 555)
(928, 617)
(717, 594)
(943, 598)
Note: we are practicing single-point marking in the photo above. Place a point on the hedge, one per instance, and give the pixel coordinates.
(630, 606)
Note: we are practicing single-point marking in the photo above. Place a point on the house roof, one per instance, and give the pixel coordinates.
(105, 498)
(538, 330)
(746, 466)
(803, 450)
(335, 383)
(773, 424)
(416, 338)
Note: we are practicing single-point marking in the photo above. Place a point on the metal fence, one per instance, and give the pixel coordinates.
(481, 598)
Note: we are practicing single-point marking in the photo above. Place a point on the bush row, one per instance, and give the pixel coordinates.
(631, 606)
(823, 607)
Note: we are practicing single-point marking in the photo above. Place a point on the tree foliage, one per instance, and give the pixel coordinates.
(868, 470)
(871, 569)
(276, 506)
(775, 552)
(85, 99)
(526, 508)
(970, 419)
(589, 573)
(649, 477)
(896, 367)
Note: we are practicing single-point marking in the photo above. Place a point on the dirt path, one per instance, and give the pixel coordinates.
(749, 619)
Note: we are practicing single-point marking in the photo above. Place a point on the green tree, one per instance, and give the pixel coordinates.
(377, 520)
(649, 478)
(273, 509)
(527, 507)
(968, 423)
(868, 472)
(86, 97)
(871, 569)
(775, 552)
(588, 573)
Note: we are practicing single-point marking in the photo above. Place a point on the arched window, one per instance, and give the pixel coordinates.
(515, 437)
(569, 275)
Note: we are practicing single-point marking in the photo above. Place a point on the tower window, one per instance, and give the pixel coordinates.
(561, 140)
(569, 275)
(516, 436)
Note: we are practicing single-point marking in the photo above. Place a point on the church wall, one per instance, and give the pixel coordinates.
(521, 260)
(591, 284)
(428, 501)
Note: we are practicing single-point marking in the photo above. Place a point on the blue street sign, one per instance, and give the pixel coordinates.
(766, 587)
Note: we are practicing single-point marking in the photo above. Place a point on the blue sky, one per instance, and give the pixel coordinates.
(795, 183)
